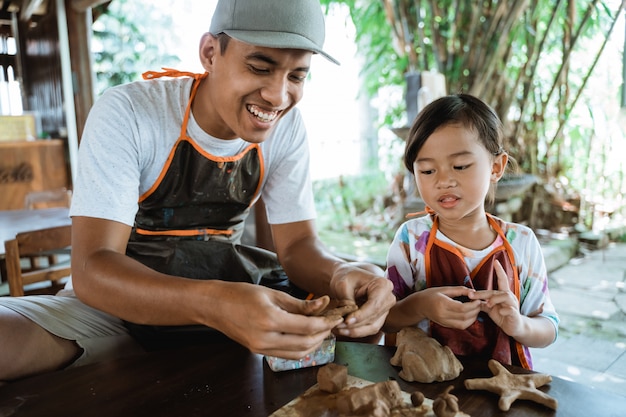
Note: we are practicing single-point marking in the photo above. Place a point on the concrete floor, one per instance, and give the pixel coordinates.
(589, 294)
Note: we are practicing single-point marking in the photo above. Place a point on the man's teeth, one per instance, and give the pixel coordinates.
(265, 117)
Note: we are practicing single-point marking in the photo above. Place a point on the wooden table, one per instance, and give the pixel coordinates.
(225, 379)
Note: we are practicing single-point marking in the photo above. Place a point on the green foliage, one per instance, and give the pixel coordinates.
(530, 60)
(131, 37)
(355, 205)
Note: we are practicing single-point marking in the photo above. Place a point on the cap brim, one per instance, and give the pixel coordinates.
(280, 40)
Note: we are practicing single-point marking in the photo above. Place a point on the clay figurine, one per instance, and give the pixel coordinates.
(424, 359)
(511, 387)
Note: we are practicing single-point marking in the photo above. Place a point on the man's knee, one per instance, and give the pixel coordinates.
(28, 349)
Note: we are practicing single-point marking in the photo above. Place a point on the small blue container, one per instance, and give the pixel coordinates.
(321, 356)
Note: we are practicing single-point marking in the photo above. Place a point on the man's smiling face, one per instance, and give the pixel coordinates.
(248, 88)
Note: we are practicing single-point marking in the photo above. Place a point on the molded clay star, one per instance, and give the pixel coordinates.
(511, 387)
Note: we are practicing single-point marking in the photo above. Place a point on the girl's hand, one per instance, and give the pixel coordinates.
(502, 305)
(444, 306)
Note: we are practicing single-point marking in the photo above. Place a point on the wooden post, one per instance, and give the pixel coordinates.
(79, 35)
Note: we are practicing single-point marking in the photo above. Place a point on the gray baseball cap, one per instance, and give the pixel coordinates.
(292, 24)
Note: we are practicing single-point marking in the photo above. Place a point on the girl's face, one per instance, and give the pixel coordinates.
(454, 171)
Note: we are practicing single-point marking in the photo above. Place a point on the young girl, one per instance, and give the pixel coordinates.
(472, 281)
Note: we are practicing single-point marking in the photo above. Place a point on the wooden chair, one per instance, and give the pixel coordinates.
(43, 242)
(35, 200)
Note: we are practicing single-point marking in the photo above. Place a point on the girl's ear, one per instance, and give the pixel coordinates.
(499, 166)
(208, 49)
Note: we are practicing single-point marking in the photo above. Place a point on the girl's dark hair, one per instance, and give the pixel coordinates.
(463, 109)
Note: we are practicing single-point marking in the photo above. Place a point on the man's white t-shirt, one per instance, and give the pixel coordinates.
(131, 130)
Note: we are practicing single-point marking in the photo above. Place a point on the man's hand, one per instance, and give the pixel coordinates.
(271, 322)
(365, 285)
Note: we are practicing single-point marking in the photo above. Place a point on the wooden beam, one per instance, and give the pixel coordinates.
(624, 67)
(31, 7)
(82, 5)
(67, 75)
(79, 35)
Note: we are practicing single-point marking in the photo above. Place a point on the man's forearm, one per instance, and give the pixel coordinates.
(125, 288)
(310, 266)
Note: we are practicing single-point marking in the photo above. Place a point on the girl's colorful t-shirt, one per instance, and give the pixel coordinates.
(406, 268)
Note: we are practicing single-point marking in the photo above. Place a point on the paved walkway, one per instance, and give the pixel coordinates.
(589, 294)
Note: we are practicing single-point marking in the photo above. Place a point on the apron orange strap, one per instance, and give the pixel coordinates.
(170, 72)
(427, 210)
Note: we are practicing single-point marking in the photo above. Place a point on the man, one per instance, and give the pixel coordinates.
(168, 170)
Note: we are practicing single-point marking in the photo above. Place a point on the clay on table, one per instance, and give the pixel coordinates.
(373, 400)
(340, 308)
(424, 359)
(446, 404)
(332, 377)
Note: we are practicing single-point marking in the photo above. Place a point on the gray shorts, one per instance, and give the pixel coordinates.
(100, 335)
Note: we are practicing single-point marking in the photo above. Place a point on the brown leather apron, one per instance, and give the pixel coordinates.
(189, 223)
(445, 266)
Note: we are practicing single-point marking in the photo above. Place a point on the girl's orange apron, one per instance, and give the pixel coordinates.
(190, 222)
(445, 266)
